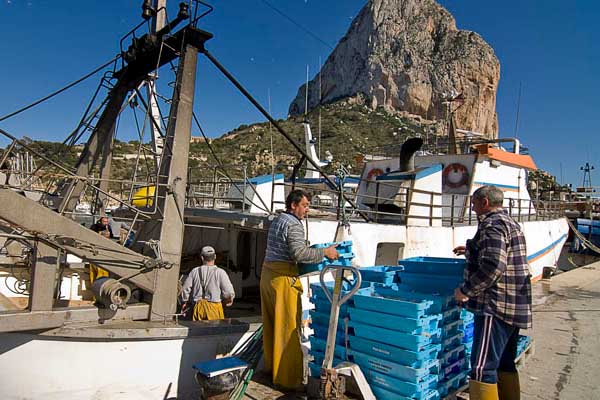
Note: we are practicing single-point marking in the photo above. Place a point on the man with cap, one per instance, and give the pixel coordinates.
(209, 287)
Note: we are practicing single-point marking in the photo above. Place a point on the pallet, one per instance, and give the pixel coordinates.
(525, 355)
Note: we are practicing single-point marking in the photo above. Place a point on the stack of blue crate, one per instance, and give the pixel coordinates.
(522, 344)
(344, 250)
(468, 318)
(396, 341)
(436, 278)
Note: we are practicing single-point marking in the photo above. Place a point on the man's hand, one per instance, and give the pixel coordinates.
(459, 250)
(227, 302)
(459, 296)
(331, 253)
(184, 308)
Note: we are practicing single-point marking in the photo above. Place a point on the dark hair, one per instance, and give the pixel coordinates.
(492, 193)
(295, 197)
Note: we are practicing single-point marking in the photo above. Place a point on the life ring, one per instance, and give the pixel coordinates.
(374, 173)
(455, 175)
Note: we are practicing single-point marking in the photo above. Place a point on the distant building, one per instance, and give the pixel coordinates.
(198, 139)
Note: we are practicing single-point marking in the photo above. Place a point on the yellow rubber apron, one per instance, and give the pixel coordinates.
(280, 291)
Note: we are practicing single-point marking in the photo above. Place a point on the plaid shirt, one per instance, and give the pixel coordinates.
(497, 278)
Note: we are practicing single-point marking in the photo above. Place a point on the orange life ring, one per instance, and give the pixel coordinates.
(374, 173)
(455, 175)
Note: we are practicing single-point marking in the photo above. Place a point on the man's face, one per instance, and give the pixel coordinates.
(480, 205)
(104, 221)
(300, 209)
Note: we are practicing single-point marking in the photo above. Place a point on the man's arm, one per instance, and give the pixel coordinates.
(227, 292)
(299, 251)
(186, 288)
(491, 262)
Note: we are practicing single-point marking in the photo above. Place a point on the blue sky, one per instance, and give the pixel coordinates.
(549, 47)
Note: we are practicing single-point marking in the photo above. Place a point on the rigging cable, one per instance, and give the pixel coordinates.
(70, 85)
(305, 30)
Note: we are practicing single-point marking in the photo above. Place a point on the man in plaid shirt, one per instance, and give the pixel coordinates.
(497, 289)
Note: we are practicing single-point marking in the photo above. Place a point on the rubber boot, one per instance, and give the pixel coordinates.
(508, 386)
(482, 391)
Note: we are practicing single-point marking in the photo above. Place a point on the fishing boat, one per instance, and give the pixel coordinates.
(134, 346)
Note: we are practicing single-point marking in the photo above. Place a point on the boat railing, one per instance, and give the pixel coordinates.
(386, 203)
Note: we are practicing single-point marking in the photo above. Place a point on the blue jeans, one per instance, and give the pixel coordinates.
(494, 348)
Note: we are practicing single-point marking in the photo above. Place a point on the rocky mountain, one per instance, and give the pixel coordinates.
(408, 55)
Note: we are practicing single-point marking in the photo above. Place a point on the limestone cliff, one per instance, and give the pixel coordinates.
(408, 55)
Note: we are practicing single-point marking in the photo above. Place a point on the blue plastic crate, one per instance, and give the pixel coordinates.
(324, 306)
(372, 298)
(402, 324)
(468, 348)
(452, 341)
(344, 250)
(322, 331)
(440, 302)
(452, 384)
(451, 328)
(322, 319)
(467, 316)
(450, 315)
(426, 283)
(452, 369)
(394, 338)
(408, 389)
(468, 336)
(434, 265)
(380, 273)
(403, 372)
(415, 359)
(318, 362)
(318, 346)
(450, 356)
(381, 393)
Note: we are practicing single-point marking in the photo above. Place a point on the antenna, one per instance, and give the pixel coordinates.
(587, 176)
(518, 109)
(320, 99)
(306, 95)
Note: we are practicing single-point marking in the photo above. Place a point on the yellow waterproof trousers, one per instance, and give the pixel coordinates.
(206, 310)
(97, 273)
(280, 290)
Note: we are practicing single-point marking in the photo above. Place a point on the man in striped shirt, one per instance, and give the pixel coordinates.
(497, 289)
(280, 290)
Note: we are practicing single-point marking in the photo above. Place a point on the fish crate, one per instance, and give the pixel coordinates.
(322, 331)
(468, 333)
(382, 393)
(394, 338)
(450, 356)
(415, 326)
(451, 341)
(415, 359)
(410, 390)
(318, 345)
(322, 319)
(378, 299)
(434, 266)
(426, 283)
(450, 315)
(467, 316)
(452, 384)
(451, 328)
(315, 365)
(324, 306)
(441, 303)
(395, 370)
(344, 250)
(383, 274)
(452, 369)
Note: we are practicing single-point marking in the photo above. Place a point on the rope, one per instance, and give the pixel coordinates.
(583, 239)
(70, 85)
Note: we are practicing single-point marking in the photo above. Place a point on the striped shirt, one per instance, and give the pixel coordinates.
(207, 282)
(497, 279)
(286, 242)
